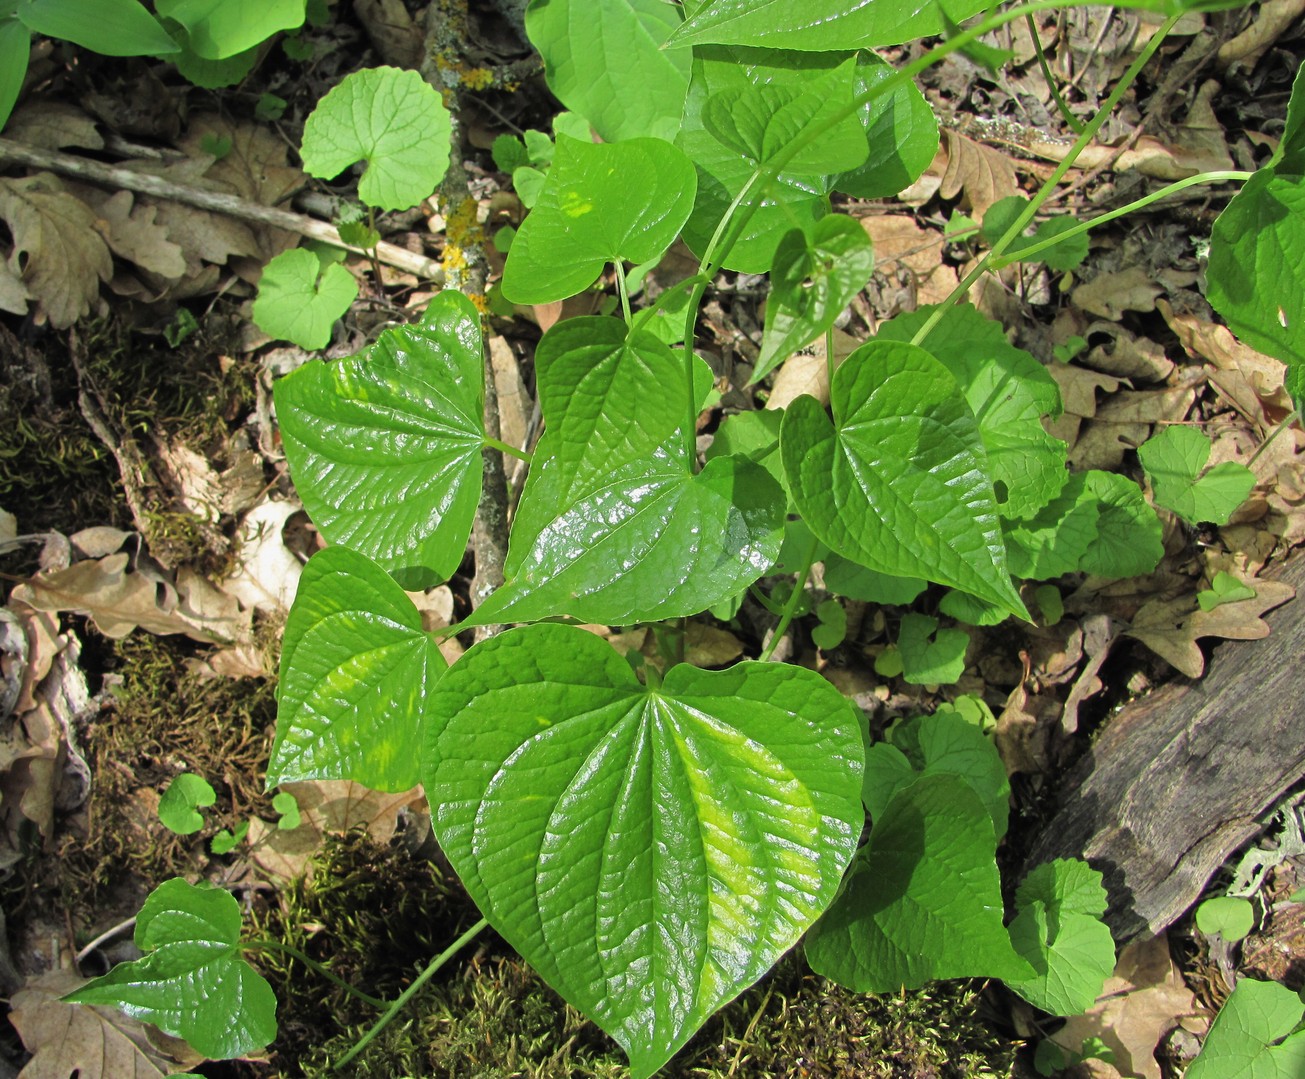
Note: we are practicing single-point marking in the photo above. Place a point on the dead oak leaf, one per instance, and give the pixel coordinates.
(133, 233)
(66, 258)
(89, 1042)
(1110, 294)
(982, 174)
(1171, 628)
(53, 125)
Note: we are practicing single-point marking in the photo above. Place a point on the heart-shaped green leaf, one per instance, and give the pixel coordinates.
(899, 481)
(222, 28)
(901, 131)
(15, 51)
(1130, 539)
(1252, 1036)
(649, 541)
(813, 279)
(651, 852)
(394, 121)
(356, 669)
(600, 203)
(299, 299)
(1055, 540)
(605, 61)
(1174, 460)
(193, 983)
(1008, 391)
(179, 804)
(385, 446)
(109, 27)
(1059, 931)
(608, 395)
(819, 25)
(1231, 916)
(923, 898)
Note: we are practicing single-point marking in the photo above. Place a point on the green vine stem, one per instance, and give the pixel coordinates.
(267, 945)
(1018, 226)
(791, 606)
(1286, 422)
(1081, 227)
(624, 289)
(1075, 124)
(503, 447)
(412, 990)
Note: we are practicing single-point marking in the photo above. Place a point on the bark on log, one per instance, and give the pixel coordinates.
(1181, 779)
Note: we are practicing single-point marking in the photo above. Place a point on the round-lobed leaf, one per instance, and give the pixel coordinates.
(1252, 1036)
(220, 29)
(385, 446)
(192, 983)
(1231, 916)
(604, 59)
(1174, 460)
(299, 300)
(394, 121)
(651, 852)
(179, 805)
(356, 672)
(899, 481)
(600, 203)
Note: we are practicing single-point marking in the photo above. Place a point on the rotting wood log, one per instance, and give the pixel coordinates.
(1177, 781)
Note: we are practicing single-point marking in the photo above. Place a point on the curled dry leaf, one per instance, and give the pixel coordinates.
(1109, 295)
(900, 242)
(982, 174)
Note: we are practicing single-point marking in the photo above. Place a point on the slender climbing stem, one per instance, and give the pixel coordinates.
(624, 289)
(1081, 227)
(794, 600)
(266, 945)
(1044, 192)
(1075, 124)
(412, 990)
(503, 447)
(1286, 422)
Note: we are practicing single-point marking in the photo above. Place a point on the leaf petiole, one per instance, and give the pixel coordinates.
(503, 447)
(794, 600)
(267, 945)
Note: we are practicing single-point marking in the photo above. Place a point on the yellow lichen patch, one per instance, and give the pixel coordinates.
(454, 259)
(479, 302)
(461, 228)
(477, 78)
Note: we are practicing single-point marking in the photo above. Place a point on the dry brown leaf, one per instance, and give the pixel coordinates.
(53, 125)
(44, 642)
(514, 403)
(1139, 1005)
(1109, 295)
(983, 175)
(1078, 387)
(132, 233)
(1171, 628)
(1127, 356)
(704, 645)
(66, 257)
(899, 241)
(99, 540)
(807, 371)
(1273, 18)
(88, 1042)
(119, 598)
(328, 806)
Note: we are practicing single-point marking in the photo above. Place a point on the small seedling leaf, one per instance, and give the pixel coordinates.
(222, 28)
(385, 446)
(1174, 460)
(509, 153)
(1249, 1037)
(299, 300)
(902, 461)
(813, 279)
(1225, 588)
(832, 629)
(287, 805)
(395, 122)
(179, 804)
(931, 656)
(575, 805)
(109, 27)
(928, 874)
(600, 203)
(226, 841)
(605, 61)
(1059, 931)
(1230, 916)
(193, 982)
(356, 671)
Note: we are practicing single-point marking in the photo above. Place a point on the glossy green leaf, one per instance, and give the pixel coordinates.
(226, 840)
(222, 28)
(793, 199)
(178, 804)
(820, 24)
(1231, 916)
(15, 50)
(1174, 460)
(192, 983)
(356, 669)
(931, 656)
(608, 396)
(385, 446)
(754, 435)
(1256, 272)
(813, 279)
(940, 744)
(1055, 540)
(1289, 158)
(299, 300)
(604, 59)
(1130, 540)
(846, 578)
(647, 542)
(1249, 1038)
(650, 852)
(899, 481)
(395, 122)
(1059, 931)
(206, 73)
(922, 900)
(1008, 391)
(970, 609)
(109, 27)
(600, 203)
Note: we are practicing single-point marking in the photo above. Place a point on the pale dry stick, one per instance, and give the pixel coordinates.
(144, 183)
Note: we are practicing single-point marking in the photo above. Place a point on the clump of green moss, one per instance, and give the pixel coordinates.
(377, 914)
